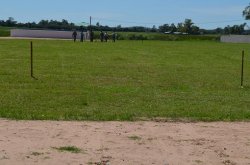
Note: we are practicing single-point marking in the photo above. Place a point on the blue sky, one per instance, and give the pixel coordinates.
(205, 13)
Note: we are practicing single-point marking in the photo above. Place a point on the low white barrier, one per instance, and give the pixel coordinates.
(235, 38)
(46, 34)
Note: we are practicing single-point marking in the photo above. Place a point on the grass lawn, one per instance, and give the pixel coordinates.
(127, 80)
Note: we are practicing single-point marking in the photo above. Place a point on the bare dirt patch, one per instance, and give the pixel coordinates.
(33, 142)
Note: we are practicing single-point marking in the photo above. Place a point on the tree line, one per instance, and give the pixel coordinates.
(186, 27)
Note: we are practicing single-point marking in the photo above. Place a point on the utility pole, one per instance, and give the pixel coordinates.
(91, 32)
(242, 69)
(31, 59)
(90, 21)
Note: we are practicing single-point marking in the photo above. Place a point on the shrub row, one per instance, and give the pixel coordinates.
(166, 37)
(4, 33)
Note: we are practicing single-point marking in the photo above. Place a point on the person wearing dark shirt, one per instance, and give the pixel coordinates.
(113, 36)
(101, 36)
(106, 36)
(91, 36)
(82, 36)
(74, 35)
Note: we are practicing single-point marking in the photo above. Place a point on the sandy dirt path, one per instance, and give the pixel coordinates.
(118, 143)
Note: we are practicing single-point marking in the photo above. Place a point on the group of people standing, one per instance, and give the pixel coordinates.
(74, 36)
(104, 37)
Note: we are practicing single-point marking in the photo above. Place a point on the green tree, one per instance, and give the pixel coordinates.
(181, 27)
(188, 24)
(173, 28)
(154, 29)
(164, 28)
(246, 12)
(195, 30)
(11, 22)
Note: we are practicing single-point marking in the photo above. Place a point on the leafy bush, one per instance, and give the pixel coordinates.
(137, 37)
(166, 37)
(4, 32)
(120, 37)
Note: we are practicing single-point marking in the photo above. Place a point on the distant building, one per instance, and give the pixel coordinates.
(177, 33)
(167, 32)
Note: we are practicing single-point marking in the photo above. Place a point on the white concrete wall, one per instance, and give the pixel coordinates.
(45, 34)
(235, 38)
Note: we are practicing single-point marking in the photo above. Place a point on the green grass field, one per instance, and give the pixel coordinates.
(128, 80)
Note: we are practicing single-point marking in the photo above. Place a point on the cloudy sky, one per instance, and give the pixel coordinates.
(206, 14)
